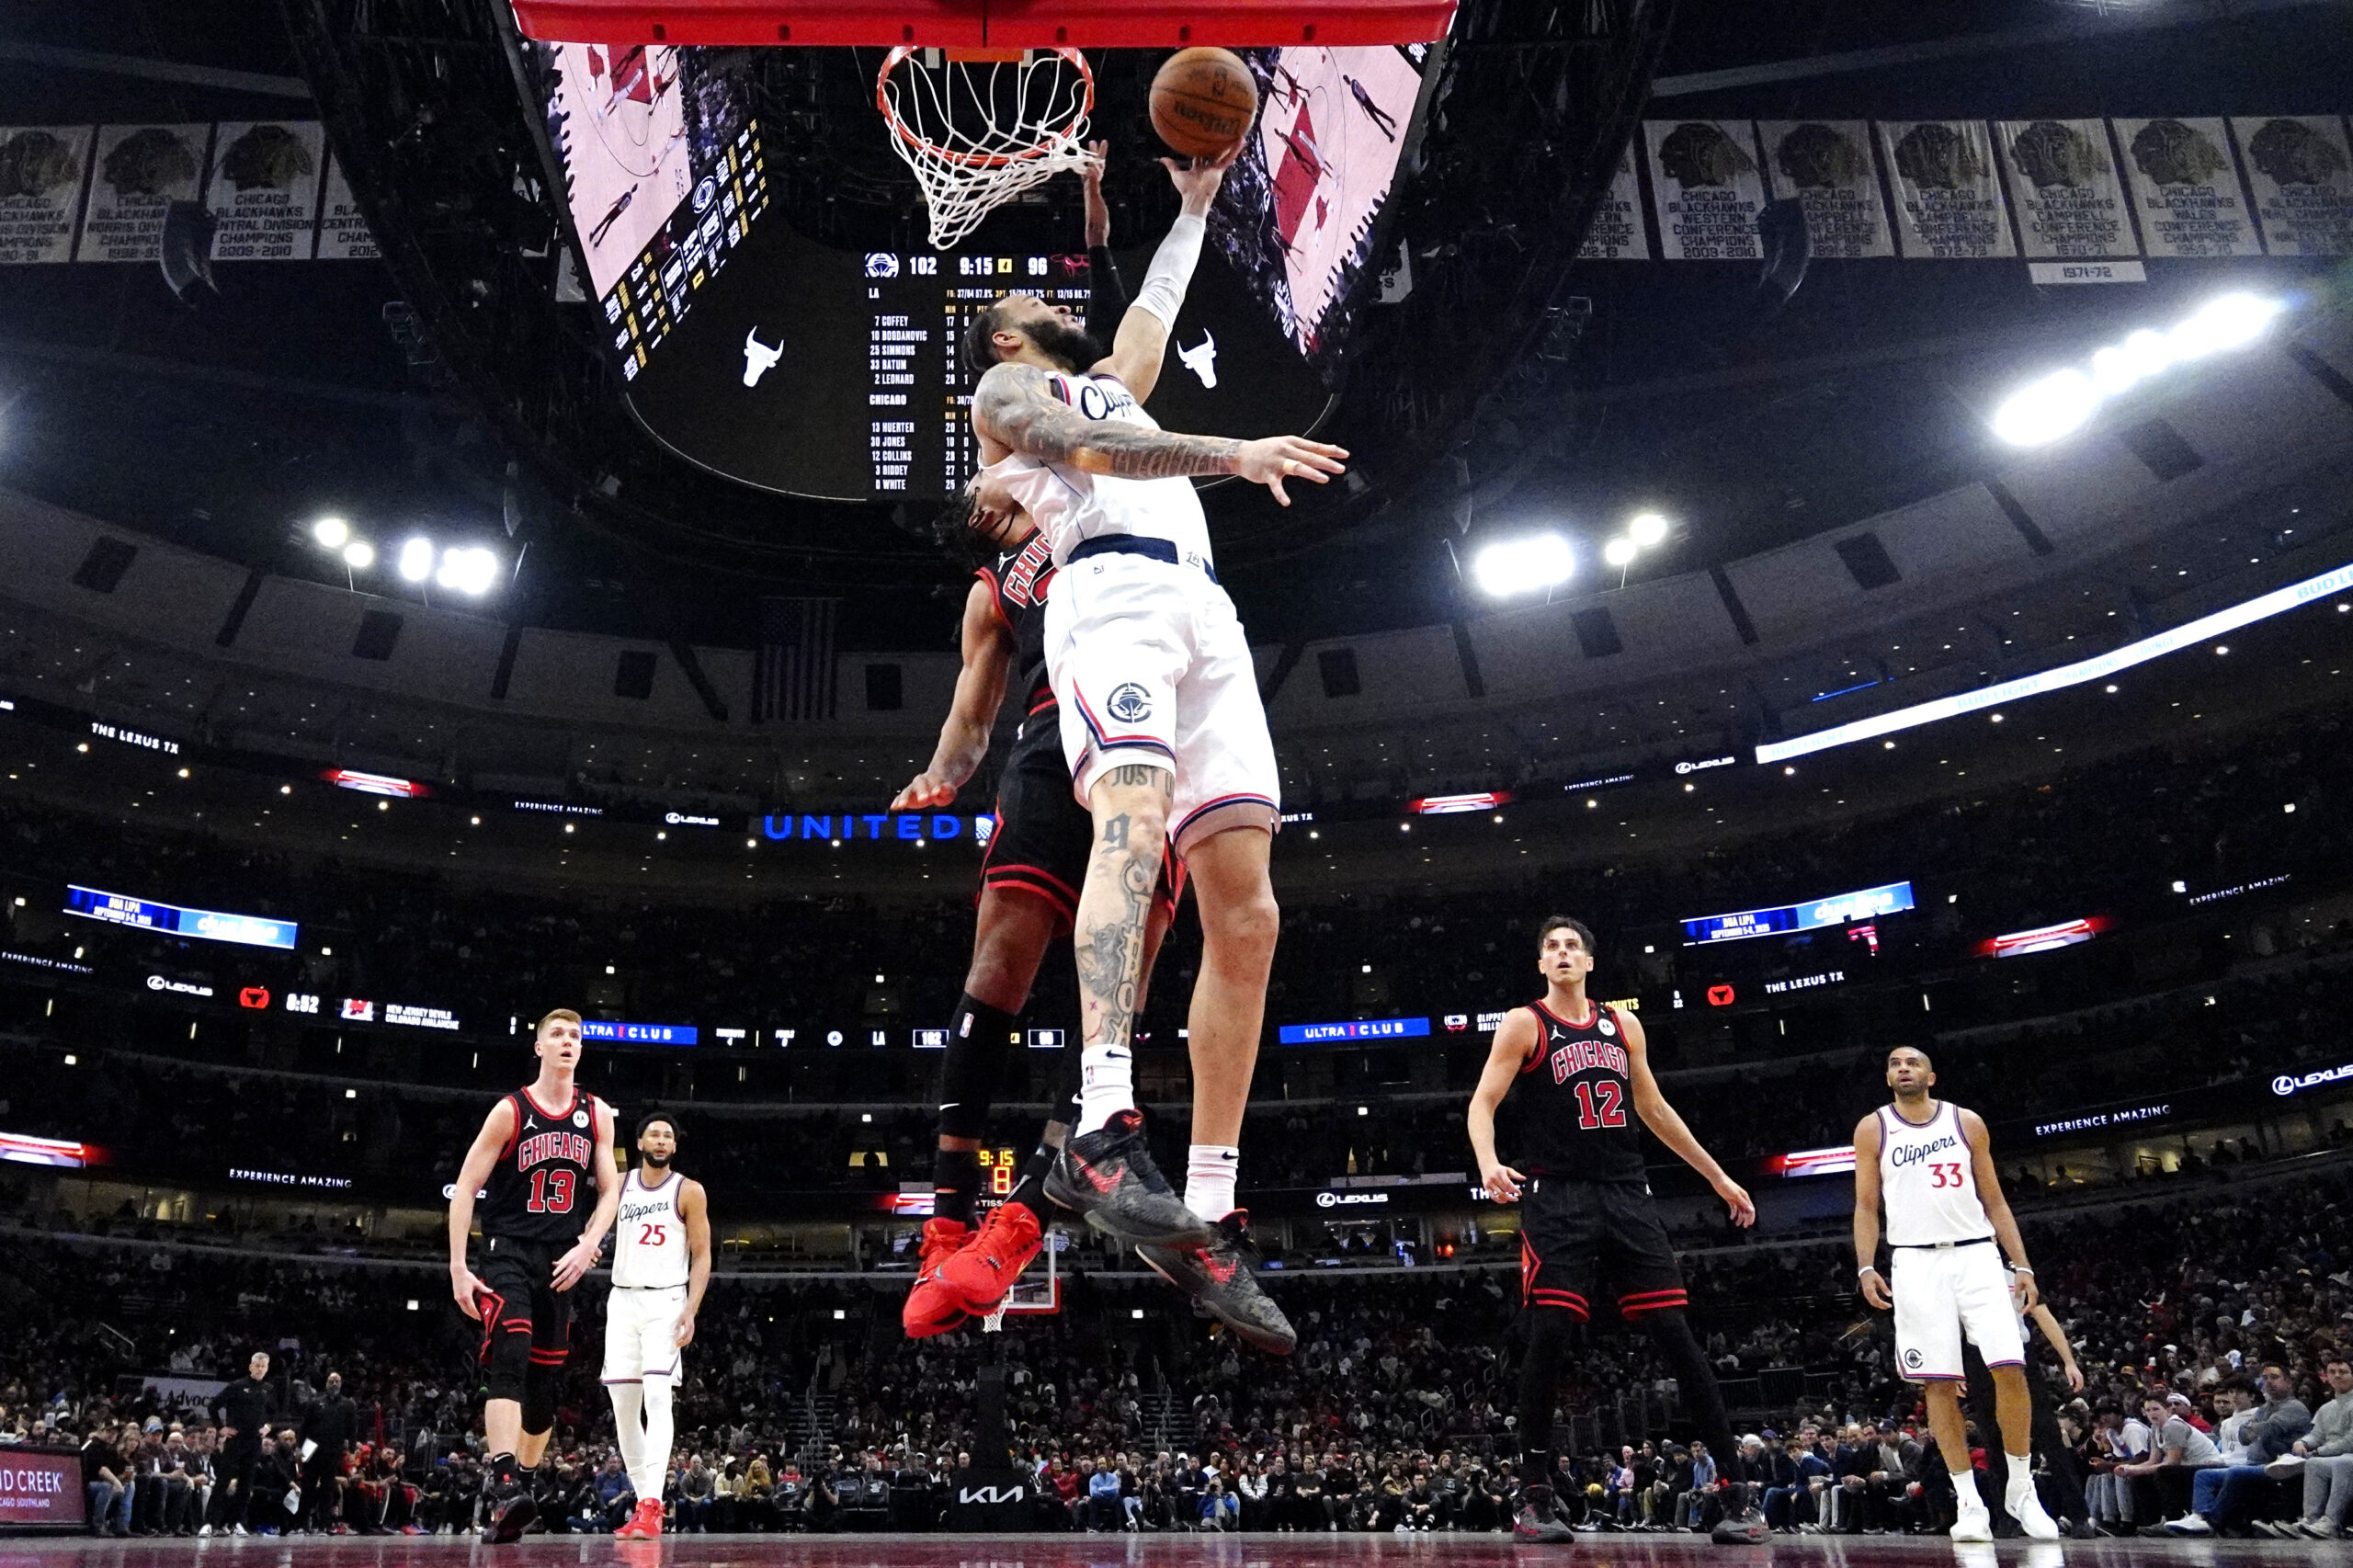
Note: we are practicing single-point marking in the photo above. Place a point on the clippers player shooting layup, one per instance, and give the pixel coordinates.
(1162, 729)
(539, 1151)
(661, 1266)
(1932, 1164)
(1029, 885)
(1577, 1069)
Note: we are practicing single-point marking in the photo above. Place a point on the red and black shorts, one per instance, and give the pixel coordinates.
(518, 1296)
(1576, 1236)
(1043, 836)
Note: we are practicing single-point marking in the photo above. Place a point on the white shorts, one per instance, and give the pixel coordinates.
(1149, 665)
(1942, 1293)
(637, 1328)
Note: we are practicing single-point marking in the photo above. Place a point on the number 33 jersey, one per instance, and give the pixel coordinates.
(1927, 1179)
(1575, 1100)
(544, 1185)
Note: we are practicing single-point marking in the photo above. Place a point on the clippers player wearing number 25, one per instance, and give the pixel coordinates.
(1579, 1076)
(660, 1267)
(540, 1151)
(1932, 1164)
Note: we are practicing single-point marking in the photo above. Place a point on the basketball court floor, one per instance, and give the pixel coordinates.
(1152, 1551)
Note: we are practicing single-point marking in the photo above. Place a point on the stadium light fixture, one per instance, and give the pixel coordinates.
(359, 555)
(471, 571)
(416, 559)
(1523, 565)
(333, 533)
(1618, 552)
(2060, 403)
(1647, 529)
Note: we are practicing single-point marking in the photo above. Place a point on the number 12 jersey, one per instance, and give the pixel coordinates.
(1575, 1100)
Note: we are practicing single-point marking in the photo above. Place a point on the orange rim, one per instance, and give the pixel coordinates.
(899, 55)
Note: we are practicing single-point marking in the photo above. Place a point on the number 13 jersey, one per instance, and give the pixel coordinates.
(1927, 1179)
(1575, 1099)
(544, 1185)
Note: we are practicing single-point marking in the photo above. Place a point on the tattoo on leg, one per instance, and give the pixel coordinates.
(1109, 950)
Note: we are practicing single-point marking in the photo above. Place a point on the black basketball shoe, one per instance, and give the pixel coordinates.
(1536, 1523)
(1218, 1277)
(1108, 1178)
(516, 1511)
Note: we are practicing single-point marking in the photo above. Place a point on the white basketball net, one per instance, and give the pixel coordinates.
(978, 133)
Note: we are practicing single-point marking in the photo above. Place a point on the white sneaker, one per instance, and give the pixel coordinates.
(204, 1532)
(2188, 1524)
(237, 1529)
(1972, 1523)
(2027, 1509)
(2322, 1529)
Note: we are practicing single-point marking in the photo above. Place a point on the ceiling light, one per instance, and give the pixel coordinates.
(1523, 565)
(1618, 552)
(471, 570)
(417, 560)
(1647, 529)
(333, 533)
(2043, 411)
(359, 555)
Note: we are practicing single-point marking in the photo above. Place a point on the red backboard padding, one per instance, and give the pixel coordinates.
(970, 24)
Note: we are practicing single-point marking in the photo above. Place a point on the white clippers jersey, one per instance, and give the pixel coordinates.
(1071, 506)
(650, 1253)
(1928, 1180)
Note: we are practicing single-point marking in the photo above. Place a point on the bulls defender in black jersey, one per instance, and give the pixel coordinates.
(1578, 1076)
(540, 1151)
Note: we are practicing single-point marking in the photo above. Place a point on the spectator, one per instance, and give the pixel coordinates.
(2219, 1494)
(2323, 1457)
(103, 1479)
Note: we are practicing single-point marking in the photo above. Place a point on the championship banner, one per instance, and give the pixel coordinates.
(1948, 201)
(1827, 165)
(2062, 177)
(142, 170)
(2184, 183)
(1617, 233)
(343, 231)
(264, 189)
(42, 172)
(2302, 180)
(1708, 190)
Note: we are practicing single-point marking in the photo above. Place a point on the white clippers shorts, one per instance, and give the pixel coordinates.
(638, 1327)
(1149, 665)
(1942, 1293)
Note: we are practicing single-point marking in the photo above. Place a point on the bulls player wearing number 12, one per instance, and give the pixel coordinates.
(661, 1266)
(539, 1151)
(1932, 1164)
(1579, 1075)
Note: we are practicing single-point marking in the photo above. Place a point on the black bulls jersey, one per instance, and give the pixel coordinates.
(544, 1185)
(1575, 1101)
(1016, 582)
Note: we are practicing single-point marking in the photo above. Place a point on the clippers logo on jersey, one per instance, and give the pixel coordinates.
(1130, 704)
(1903, 1154)
(1927, 1179)
(1097, 398)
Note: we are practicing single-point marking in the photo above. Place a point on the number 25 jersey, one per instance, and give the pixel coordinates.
(544, 1185)
(1575, 1101)
(1927, 1179)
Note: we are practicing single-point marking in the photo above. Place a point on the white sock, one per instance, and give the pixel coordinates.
(628, 1429)
(2021, 1477)
(1107, 1086)
(658, 1433)
(1210, 1170)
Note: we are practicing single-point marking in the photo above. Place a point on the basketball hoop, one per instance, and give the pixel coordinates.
(978, 128)
(1039, 1291)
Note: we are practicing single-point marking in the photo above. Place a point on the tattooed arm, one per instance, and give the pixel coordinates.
(1013, 406)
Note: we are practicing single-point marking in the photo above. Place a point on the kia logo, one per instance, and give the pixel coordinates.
(255, 997)
(1720, 995)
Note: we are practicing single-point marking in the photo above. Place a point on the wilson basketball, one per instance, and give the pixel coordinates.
(1203, 101)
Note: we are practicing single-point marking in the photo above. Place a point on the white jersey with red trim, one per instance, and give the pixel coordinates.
(650, 1248)
(1927, 1179)
(1070, 506)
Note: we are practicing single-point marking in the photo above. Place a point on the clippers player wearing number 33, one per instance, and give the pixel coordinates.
(661, 1266)
(540, 1151)
(1932, 1164)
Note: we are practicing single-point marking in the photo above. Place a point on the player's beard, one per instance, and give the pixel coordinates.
(1069, 346)
(656, 1161)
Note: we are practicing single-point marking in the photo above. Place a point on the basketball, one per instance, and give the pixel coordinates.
(1203, 101)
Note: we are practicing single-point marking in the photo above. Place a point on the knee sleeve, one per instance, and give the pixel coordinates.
(1671, 1329)
(510, 1361)
(974, 1066)
(538, 1398)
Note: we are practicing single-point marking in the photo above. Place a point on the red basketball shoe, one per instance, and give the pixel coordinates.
(978, 1277)
(644, 1525)
(932, 1307)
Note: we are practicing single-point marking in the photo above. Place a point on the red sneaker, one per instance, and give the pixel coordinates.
(978, 1277)
(644, 1525)
(931, 1308)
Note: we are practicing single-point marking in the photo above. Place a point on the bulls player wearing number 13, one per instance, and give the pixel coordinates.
(1579, 1076)
(661, 1266)
(538, 1153)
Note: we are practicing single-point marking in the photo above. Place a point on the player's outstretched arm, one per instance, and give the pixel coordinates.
(474, 1170)
(1874, 1288)
(1141, 345)
(582, 1258)
(980, 692)
(1014, 407)
(696, 1212)
(1998, 1206)
(1514, 1037)
(1668, 1127)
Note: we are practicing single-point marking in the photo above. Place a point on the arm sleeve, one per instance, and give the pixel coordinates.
(1165, 281)
(1109, 300)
